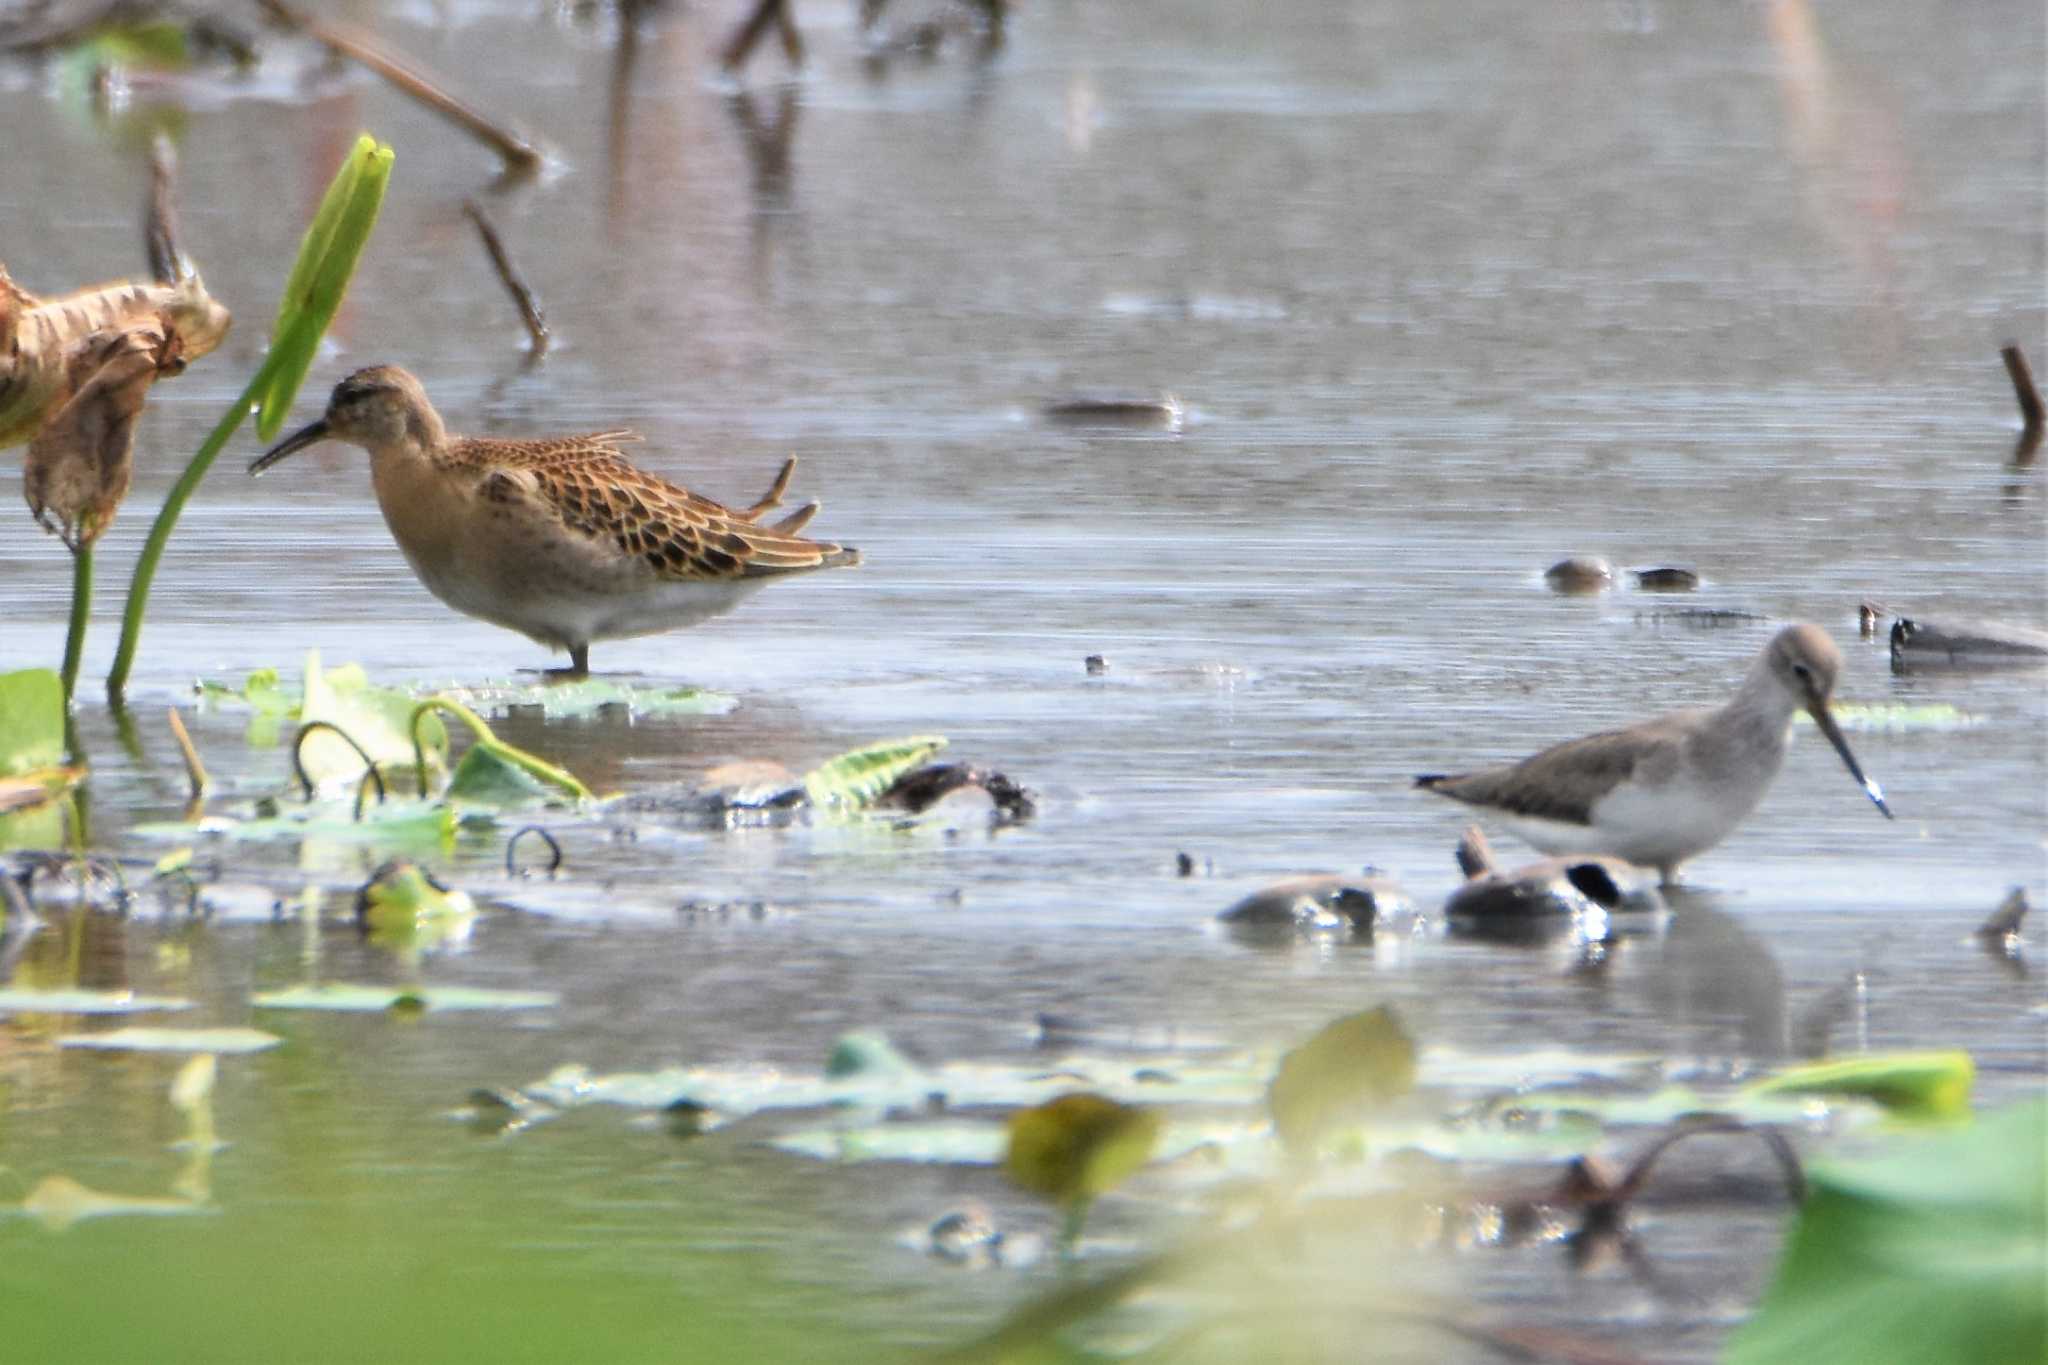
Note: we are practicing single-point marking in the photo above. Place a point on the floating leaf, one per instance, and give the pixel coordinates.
(577, 698)
(1923, 1085)
(31, 721)
(209, 1040)
(1936, 1251)
(1356, 1062)
(82, 1001)
(860, 775)
(345, 998)
(417, 828)
(869, 1055)
(1077, 1146)
(960, 1143)
(1897, 717)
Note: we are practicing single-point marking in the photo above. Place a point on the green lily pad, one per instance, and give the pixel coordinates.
(860, 775)
(346, 998)
(1937, 1251)
(87, 1002)
(270, 705)
(572, 700)
(416, 828)
(222, 1040)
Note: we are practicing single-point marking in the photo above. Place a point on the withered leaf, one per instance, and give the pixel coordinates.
(80, 463)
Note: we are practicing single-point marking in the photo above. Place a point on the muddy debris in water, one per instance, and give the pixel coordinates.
(1666, 579)
(2029, 398)
(969, 1238)
(2000, 934)
(1700, 618)
(1579, 890)
(1116, 411)
(1096, 665)
(1580, 575)
(1185, 864)
(1919, 643)
(956, 787)
(1359, 906)
(724, 912)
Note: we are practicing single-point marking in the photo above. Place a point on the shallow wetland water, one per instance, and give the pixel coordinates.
(1448, 293)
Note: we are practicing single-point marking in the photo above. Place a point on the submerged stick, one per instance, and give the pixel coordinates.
(359, 46)
(195, 771)
(2029, 399)
(167, 263)
(508, 274)
(767, 12)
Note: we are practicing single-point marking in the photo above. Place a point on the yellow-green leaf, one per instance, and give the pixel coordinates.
(1354, 1063)
(1077, 1146)
(1921, 1085)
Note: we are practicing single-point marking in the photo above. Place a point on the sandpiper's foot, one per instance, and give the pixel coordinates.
(578, 669)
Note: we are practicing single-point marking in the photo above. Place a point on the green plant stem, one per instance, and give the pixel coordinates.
(482, 734)
(81, 616)
(166, 522)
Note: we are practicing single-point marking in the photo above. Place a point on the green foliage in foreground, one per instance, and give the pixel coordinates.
(31, 721)
(1935, 1251)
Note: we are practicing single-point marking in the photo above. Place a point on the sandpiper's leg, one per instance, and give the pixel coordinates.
(579, 665)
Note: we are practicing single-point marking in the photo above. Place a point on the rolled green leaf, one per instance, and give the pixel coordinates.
(320, 276)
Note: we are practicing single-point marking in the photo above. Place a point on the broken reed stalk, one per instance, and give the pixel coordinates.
(195, 771)
(767, 12)
(2029, 399)
(359, 46)
(167, 264)
(508, 275)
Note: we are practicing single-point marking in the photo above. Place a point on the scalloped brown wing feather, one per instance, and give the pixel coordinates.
(591, 488)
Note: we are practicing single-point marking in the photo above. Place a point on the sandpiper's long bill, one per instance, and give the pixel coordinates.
(562, 539)
(1662, 791)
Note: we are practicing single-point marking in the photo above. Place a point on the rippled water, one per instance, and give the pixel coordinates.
(1448, 293)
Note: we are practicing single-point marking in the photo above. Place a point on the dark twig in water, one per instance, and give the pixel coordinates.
(371, 776)
(195, 771)
(512, 867)
(1612, 1200)
(167, 264)
(2029, 399)
(359, 46)
(508, 274)
(766, 13)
